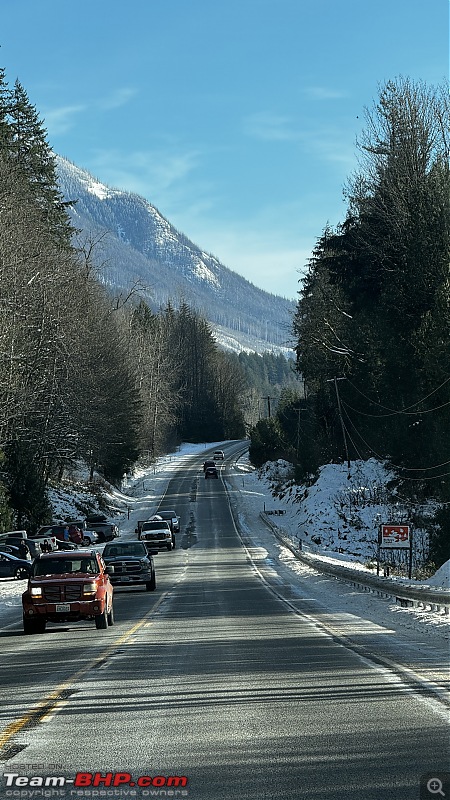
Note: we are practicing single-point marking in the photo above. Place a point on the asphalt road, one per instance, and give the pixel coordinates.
(215, 679)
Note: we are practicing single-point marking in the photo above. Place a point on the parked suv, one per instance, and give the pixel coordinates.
(66, 587)
(105, 530)
(132, 562)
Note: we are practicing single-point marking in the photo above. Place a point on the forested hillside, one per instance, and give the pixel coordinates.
(373, 319)
(86, 374)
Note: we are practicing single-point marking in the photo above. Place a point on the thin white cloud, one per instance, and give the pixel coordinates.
(118, 99)
(325, 142)
(323, 93)
(269, 127)
(329, 145)
(152, 174)
(61, 120)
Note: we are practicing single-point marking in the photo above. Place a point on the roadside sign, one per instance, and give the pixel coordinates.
(395, 536)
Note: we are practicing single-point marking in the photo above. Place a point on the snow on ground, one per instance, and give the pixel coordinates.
(441, 578)
(318, 508)
(337, 516)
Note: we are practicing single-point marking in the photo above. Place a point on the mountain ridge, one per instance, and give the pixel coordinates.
(137, 246)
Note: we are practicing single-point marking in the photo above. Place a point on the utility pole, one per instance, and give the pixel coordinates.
(344, 435)
(268, 404)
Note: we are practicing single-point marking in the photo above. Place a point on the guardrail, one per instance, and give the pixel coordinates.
(406, 595)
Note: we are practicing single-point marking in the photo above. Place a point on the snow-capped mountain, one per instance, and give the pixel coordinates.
(137, 246)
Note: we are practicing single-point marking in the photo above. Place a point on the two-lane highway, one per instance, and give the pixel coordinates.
(214, 679)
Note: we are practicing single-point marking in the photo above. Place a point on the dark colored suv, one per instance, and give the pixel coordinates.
(132, 563)
(15, 541)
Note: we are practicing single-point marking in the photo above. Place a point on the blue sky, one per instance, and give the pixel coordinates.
(237, 119)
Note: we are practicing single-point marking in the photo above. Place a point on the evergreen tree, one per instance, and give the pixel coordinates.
(5, 102)
(369, 306)
(32, 154)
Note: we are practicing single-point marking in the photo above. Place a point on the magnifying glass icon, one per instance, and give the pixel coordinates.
(434, 786)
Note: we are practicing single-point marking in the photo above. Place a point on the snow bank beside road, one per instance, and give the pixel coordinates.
(440, 579)
(337, 518)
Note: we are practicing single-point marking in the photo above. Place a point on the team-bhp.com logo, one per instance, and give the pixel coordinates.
(90, 780)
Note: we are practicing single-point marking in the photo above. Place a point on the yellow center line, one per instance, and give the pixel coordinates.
(50, 701)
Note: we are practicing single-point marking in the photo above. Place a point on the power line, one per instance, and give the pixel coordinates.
(394, 414)
(393, 411)
(398, 466)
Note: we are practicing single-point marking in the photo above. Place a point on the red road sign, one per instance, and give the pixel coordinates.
(395, 536)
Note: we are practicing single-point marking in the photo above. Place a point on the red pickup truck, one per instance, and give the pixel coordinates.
(67, 586)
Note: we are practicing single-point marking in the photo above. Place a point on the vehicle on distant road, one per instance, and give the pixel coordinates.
(219, 455)
(211, 472)
(132, 562)
(155, 532)
(13, 567)
(67, 587)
